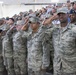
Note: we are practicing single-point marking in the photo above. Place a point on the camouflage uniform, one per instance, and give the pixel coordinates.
(38, 53)
(20, 49)
(48, 30)
(8, 52)
(3, 27)
(1, 58)
(64, 41)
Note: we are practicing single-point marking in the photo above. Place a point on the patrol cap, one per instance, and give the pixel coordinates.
(72, 11)
(21, 22)
(11, 19)
(62, 10)
(19, 18)
(7, 18)
(37, 13)
(30, 10)
(32, 15)
(59, 4)
(34, 20)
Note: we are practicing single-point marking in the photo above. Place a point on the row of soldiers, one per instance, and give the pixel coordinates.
(32, 47)
(25, 48)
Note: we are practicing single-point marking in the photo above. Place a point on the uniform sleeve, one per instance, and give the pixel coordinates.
(11, 31)
(74, 31)
(46, 51)
(8, 33)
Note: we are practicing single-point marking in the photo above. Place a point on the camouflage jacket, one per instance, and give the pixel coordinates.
(20, 43)
(38, 50)
(64, 41)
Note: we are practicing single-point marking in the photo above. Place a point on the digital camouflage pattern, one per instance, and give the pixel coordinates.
(20, 52)
(64, 41)
(8, 54)
(1, 58)
(38, 52)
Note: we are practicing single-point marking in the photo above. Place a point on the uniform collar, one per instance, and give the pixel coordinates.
(66, 27)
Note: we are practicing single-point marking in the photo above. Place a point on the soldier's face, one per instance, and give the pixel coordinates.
(34, 26)
(72, 18)
(43, 10)
(63, 17)
(74, 6)
(10, 22)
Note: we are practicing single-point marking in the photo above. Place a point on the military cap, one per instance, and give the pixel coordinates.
(37, 13)
(21, 22)
(72, 11)
(59, 4)
(62, 10)
(7, 18)
(32, 15)
(34, 20)
(30, 10)
(11, 19)
(19, 18)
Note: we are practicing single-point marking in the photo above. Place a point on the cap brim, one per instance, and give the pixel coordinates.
(30, 22)
(61, 12)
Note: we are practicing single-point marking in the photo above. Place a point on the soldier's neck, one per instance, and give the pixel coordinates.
(35, 30)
